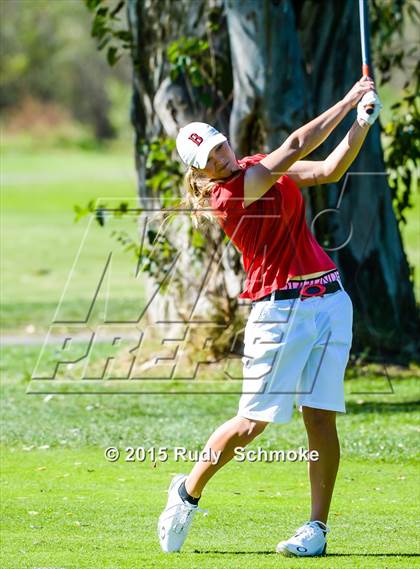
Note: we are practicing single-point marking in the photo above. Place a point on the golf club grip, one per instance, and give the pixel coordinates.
(365, 73)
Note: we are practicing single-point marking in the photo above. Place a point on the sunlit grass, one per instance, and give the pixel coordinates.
(64, 505)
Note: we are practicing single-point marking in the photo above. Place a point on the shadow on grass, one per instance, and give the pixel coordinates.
(207, 551)
(382, 407)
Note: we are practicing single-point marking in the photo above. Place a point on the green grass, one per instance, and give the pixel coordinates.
(72, 509)
(40, 240)
(375, 397)
(64, 505)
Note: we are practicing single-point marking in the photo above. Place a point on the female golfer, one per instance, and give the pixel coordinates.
(299, 332)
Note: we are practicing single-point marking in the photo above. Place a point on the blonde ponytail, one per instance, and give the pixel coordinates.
(198, 188)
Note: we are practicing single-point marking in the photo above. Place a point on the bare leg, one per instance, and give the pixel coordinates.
(322, 436)
(237, 432)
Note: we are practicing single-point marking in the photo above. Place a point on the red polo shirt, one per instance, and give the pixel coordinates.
(271, 233)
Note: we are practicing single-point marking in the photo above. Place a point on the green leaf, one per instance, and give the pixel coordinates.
(198, 240)
(99, 28)
(104, 42)
(102, 12)
(117, 9)
(124, 35)
(92, 4)
(112, 55)
(100, 216)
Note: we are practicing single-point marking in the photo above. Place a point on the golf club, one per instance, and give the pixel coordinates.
(364, 41)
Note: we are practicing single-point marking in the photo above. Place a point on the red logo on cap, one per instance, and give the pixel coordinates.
(196, 138)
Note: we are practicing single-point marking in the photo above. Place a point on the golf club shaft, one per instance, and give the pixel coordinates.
(364, 35)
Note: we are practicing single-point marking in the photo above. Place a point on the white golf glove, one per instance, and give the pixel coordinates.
(369, 98)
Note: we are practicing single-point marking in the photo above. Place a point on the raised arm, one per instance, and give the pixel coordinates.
(330, 170)
(260, 178)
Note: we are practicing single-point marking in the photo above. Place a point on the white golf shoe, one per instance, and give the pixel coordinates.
(175, 520)
(308, 541)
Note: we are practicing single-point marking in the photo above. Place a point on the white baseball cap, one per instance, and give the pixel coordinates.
(195, 141)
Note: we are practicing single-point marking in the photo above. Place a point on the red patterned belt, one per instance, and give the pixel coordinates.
(306, 291)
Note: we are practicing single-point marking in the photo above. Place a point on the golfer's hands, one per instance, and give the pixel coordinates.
(359, 89)
(366, 103)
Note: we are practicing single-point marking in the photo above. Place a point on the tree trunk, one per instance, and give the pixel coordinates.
(289, 62)
(372, 263)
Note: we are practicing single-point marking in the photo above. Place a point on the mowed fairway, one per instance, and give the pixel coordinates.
(68, 508)
(40, 240)
(64, 505)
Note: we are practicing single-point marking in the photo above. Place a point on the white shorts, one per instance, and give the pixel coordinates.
(296, 350)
